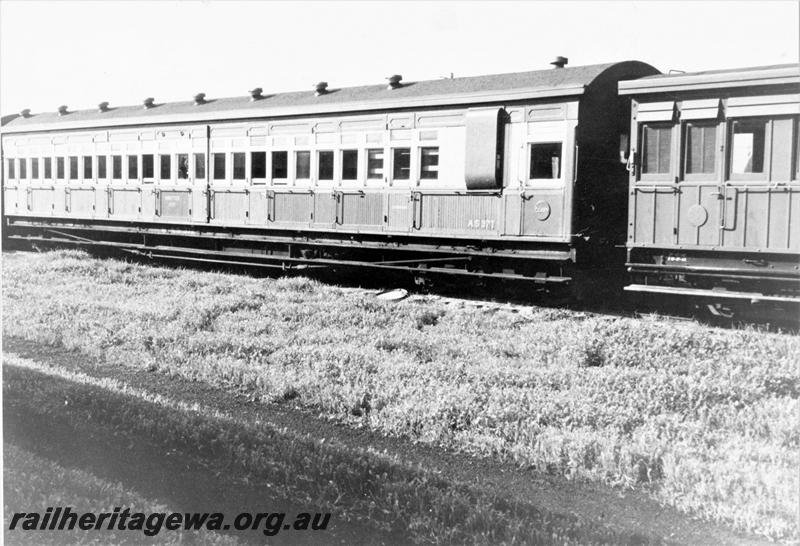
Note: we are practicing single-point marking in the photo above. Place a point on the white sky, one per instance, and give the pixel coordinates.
(81, 53)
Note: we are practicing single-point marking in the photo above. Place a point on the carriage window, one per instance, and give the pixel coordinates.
(116, 167)
(48, 167)
(545, 161)
(165, 167)
(302, 164)
(700, 140)
(258, 164)
(200, 166)
(656, 148)
(148, 166)
(280, 164)
(23, 168)
(401, 163)
(183, 166)
(87, 167)
(11, 170)
(219, 166)
(133, 167)
(375, 164)
(73, 168)
(60, 168)
(349, 164)
(35, 168)
(239, 166)
(429, 163)
(748, 139)
(325, 161)
(101, 167)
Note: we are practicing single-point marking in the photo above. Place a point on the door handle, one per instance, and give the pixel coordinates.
(724, 195)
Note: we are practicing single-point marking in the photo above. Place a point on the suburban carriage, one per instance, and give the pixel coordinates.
(714, 197)
(510, 176)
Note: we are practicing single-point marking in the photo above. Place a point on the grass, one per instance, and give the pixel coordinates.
(33, 483)
(364, 484)
(705, 419)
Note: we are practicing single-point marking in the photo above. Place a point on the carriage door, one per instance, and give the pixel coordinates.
(173, 190)
(762, 194)
(700, 197)
(655, 190)
(228, 191)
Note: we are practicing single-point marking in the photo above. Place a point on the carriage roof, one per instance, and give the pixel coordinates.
(757, 76)
(566, 81)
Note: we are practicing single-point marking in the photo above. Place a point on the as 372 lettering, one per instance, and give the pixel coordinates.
(480, 223)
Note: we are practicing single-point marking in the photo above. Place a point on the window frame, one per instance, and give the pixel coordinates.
(233, 174)
(91, 172)
(763, 176)
(382, 176)
(118, 158)
(279, 180)
(142, 174)
(543, 182)
(132, 167)
(420, 153)
(74, 161)
(670, 176)
(61, 168)
(393, 160)
(198, 159)
(176, 168)
(251, 166)
(23, 168)
(213, 173)
(102, 175)
(170, 160)
(719, 132)
(341, 173)
(297, 177)
(318, 171)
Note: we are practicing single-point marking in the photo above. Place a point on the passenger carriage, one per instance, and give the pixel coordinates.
(714, 198)
(512, 176)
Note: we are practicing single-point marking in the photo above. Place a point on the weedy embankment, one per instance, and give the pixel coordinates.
(33, 482)
(393, 500)
(704, 419)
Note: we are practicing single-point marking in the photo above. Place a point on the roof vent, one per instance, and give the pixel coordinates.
(62, 110)
(394, 81)
(255, 94)
(26, 113)
(200, 98)
(102, 107)
(149, 102)
(321, 88)
(560, 62)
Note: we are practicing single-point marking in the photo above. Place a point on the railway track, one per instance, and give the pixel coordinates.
(429, 286)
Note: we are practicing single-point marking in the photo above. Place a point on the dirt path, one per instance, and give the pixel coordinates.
(182, 484)
(631, 513)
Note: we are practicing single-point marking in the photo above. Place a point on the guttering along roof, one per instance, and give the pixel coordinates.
(443, 92)
(713, 79)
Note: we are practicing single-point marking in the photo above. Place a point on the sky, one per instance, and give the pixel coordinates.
(81, 53)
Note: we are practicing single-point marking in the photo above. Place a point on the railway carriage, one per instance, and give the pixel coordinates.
(510, 176)
(714, 193)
